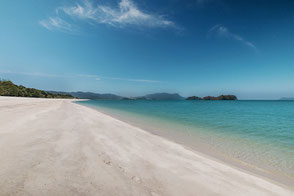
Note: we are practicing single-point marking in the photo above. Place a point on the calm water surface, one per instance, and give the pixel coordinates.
(259, 133)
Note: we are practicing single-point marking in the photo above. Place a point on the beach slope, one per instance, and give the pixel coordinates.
(56, 147)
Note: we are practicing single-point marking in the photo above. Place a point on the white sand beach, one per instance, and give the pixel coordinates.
(51, 147)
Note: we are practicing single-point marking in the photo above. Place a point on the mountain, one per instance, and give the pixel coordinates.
(162, 96)
(90, 95)
(8, 88)
(287, 98)
(221, 97)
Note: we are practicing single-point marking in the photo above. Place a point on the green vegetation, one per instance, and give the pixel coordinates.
(7, 88)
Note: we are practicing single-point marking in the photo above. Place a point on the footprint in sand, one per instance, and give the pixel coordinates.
(107, 162)
(136, 179)
(121, 169)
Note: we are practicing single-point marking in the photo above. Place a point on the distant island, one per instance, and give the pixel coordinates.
(221, 97)
(160, 96)
(108, 96)
(8, 88)
(193, 98)
(154, 96)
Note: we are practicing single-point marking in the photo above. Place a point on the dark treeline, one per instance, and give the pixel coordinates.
(7, 88)
(221, 97)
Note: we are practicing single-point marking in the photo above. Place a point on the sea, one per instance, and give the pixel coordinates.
(256, 134)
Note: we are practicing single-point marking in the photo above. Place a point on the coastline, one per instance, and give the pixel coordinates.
(56, 147)
(199, 146)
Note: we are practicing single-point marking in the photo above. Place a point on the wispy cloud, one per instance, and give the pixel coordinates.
(32, 74)
(124, 15)
(94, 77)
(114, 78)
(58, 24)
(82, 10)
(223, 32)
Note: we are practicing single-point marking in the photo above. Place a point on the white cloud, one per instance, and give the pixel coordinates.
(224, 32)
(128, 13)
(56, 23)
(85, 10)
(124, 15)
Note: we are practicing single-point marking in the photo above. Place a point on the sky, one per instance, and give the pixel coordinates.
(136, 47)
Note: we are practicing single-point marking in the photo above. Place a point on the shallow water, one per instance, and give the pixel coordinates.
(259, 133)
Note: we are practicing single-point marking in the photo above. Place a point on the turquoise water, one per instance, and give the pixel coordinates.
(259, 133)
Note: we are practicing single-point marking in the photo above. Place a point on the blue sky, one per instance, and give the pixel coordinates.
(134, 47)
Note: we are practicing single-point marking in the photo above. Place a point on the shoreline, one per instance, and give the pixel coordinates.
(57, 147)
(202, 148)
